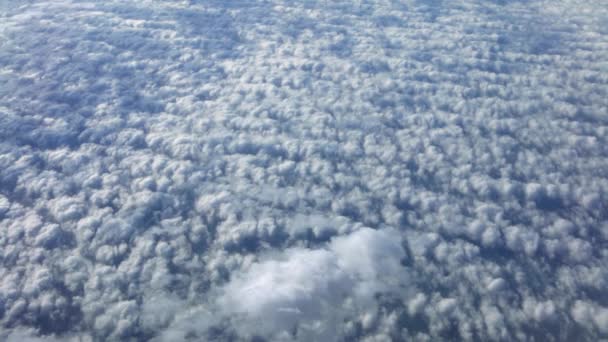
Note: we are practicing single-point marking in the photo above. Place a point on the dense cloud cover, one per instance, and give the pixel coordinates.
(271, 170)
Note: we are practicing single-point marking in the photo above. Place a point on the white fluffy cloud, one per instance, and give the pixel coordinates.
(309, 287)
(303, 170)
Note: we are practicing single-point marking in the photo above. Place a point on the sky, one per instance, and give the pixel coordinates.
(318, 170)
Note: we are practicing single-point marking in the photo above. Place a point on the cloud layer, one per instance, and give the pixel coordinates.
(303, 170)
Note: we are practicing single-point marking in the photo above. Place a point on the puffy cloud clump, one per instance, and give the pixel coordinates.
(314, 289)
(316, 171)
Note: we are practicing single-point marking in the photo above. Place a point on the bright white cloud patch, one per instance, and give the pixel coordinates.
(311, 287)
(303, 170)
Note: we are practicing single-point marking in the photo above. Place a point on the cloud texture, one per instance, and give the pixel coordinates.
(268, 170)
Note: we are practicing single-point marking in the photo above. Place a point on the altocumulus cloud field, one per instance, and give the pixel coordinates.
(279, 170)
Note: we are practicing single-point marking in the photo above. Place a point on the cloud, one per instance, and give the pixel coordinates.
(318, 170)
(301, 293)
